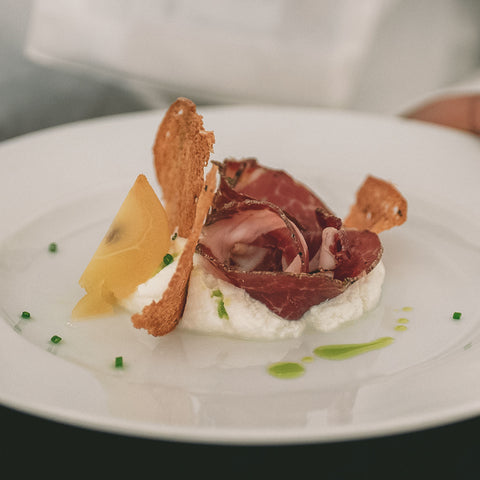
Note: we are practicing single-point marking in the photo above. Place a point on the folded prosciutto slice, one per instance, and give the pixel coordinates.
(271, 236)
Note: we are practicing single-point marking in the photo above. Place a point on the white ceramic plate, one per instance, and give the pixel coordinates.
(64, 185)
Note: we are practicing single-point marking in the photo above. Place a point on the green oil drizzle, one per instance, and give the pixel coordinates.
(333, 352)
(347, 350)
(330, 352)
(286, 370)
(401, 327)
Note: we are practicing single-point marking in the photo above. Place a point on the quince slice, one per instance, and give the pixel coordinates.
(129, 254)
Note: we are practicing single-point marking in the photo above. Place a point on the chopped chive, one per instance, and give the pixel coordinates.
(56, 339)
(118, 362)
(167, 259)
(53, 247)
(221, 310)
(456, 315)
(174, 236)
(25, 315)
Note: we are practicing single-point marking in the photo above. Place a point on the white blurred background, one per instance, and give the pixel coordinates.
(73, 59)
(34, 96)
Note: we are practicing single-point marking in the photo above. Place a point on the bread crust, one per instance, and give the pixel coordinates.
(181, 151)
(379, 206)
(160, 318)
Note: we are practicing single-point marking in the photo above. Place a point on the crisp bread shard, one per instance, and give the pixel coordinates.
(160, 318)
(181, 152)
(379, 206)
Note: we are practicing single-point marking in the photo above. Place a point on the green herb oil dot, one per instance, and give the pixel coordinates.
(25, 315)
(56, 339)
(286, 370)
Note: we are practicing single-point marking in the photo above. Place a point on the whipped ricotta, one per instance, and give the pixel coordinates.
(246, 317)
(153, 288)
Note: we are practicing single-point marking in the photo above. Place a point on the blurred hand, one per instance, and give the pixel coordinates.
(462, 112)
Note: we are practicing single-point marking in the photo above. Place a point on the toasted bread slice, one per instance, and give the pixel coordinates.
(379, 206)
(181, 152)
(160, 318)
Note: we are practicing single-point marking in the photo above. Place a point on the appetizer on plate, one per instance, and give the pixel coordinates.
(244, 250)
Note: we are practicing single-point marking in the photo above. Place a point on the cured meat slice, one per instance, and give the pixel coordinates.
(263, 248)
(247, 177)
(351, 253)
(326, 219)
(251, 235)
(289, 295)
(275, 186)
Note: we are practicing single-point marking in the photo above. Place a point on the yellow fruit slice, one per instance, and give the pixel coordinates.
(92, 305)
(129, 254)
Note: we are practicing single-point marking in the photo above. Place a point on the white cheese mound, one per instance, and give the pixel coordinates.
(154, 287)
(149, 291)
(359, 298)
(248, 318)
